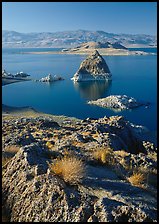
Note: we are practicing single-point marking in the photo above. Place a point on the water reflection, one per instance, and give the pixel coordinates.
(92, 90)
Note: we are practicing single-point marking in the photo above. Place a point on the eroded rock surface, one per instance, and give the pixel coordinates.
(33, 194)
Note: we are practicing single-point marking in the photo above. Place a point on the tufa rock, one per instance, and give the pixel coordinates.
(118, 102)
(93, 68)
(51, 78)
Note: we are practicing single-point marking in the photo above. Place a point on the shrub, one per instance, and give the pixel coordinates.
(137, 179)
(11, 149)
(104, 155)
(150, 175)
(8, 153)
(121, 153)
(50, 144)
(70, 169)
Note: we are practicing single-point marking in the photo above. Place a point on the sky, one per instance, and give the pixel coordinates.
(112, 17)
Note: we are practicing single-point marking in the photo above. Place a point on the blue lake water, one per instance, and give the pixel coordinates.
(134, 76)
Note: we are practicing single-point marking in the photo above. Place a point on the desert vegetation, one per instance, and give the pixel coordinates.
(71, 169)
(8, 153)
(137, 179)
(104, 155)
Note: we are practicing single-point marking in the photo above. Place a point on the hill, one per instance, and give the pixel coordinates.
(74, 38)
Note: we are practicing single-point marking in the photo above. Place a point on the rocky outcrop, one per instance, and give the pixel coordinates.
(118, 102)
(31, 193)
(6, 74)
(93, 68)
(51, 78)
(21, 75)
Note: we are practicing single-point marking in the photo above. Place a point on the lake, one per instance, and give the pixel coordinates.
(135, 76)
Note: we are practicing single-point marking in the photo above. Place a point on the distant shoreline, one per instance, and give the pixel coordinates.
(128, 46)
(104, 52)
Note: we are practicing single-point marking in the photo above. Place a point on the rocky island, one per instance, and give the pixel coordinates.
(61, 169)
(51, 78)
(93, 68)
(118, 102)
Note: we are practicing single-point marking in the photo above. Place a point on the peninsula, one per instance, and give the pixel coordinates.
(8, 78)
(104, 48)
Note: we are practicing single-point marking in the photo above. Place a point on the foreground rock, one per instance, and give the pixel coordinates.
(51, 78)
(31, 193)
(118, 102)
(93, 68)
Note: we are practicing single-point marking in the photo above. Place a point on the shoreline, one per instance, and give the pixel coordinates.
(7, 81)
(10, 112)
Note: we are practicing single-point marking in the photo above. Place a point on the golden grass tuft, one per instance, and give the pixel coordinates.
(8, 153)
(104, 155)
(13, 149)
(137, 179)
(70, 169)
(121, 153)
(49, 145)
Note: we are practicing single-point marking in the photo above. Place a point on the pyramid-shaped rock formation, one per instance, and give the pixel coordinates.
(93, 68)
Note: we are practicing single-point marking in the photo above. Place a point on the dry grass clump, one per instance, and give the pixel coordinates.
(104, 155)
(150, 175)
(137, 179)
(8, 153)
(50, 144)
(12, 149)
(121, 153)
(153, 156)
(70, 169)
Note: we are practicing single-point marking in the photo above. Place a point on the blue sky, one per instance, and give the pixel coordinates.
(115, 17)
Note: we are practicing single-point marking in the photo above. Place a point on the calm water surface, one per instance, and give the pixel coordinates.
(134, 76)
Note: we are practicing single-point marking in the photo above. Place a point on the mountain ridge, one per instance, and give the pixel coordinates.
(72, 38)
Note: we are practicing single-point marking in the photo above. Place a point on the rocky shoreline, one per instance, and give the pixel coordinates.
(32, 193)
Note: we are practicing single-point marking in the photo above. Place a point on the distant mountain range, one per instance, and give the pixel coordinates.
(74, 38)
